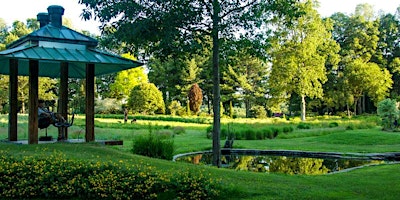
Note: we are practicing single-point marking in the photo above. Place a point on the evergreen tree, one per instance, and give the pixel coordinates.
(195, 98)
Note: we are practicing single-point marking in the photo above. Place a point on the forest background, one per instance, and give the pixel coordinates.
(339, 65)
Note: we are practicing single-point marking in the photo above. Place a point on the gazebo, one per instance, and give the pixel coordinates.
(58, 52)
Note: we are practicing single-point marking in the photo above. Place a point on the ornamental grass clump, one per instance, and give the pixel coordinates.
(154, 145)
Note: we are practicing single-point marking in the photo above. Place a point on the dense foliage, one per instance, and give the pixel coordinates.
(195, 98)
(155, 145)
(55, 176)
(146, 99)
(389, 112)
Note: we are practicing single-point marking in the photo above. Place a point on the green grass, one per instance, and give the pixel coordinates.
(373, 182)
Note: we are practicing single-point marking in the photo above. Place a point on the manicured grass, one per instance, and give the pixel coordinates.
(373, 182)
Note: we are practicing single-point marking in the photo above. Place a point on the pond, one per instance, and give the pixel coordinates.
(288, 162)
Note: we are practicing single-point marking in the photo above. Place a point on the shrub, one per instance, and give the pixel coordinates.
(259, 135)
(276, 132)
(250, 134)
(350, 127)
(333, 124)
(258, 112)
(147, 99)
(179, 130)
(174, 107)
(303, 126)
(108, 106)
(154, 145)
(42, 178)
(165, 134)
(268, 133)
(389, 113)
(287, 129)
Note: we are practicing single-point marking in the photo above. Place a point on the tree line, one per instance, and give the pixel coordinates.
(290, 63)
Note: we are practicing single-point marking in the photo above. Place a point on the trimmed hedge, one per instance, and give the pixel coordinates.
(56, 177)
(250, 133)
(191, 119)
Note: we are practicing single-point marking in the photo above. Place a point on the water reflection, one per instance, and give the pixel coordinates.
(280, 164)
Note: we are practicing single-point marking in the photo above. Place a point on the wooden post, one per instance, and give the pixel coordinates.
(63, 99)
(13, 101)
(89, 103)
(33, 101)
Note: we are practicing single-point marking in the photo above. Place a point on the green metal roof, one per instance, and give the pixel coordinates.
(51, 57)
(55, 34)
(53, 44)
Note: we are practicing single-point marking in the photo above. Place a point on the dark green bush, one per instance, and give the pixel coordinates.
(154, 145)
(259, 135)
(333, 124)
(250, 134)
(276, 132)
(287, 129)
(268, 133)
(302, 125)
(350, 127)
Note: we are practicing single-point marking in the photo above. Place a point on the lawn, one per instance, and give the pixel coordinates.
(373, 182)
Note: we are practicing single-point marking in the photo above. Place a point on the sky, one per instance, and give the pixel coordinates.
(24, 9)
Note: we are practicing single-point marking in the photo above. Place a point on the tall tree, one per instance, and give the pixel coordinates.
(3, 34)
(171, 27)
(245, 78)
(298, 63)
(195, 98)
(388, 50)
(358, 39)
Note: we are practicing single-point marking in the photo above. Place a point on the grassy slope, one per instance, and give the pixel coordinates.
(375, 182)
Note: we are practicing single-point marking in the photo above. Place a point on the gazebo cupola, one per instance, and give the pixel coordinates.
(58, 52)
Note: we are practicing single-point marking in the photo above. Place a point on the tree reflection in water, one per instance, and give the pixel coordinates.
(280, 164)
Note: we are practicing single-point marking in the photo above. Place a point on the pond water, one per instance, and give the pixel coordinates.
(288, 164)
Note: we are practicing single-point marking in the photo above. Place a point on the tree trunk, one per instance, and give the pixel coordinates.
(355, 107)
(216, 101)
(230, 109)
(247, 107)
(303, 108)
(348, 110)
(23, 106)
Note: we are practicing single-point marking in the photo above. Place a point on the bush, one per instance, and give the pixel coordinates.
(258, 112)
(155, 146)
(268, 133)
(387, 110)
(174, 107)
(179, 130)
(333, 124)
(108, 106)
(259, 135)
(303, 126)
(146, 98)
(350, 127)
(55, 177)
(250, 134)
(276, 132)
(287, 129)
